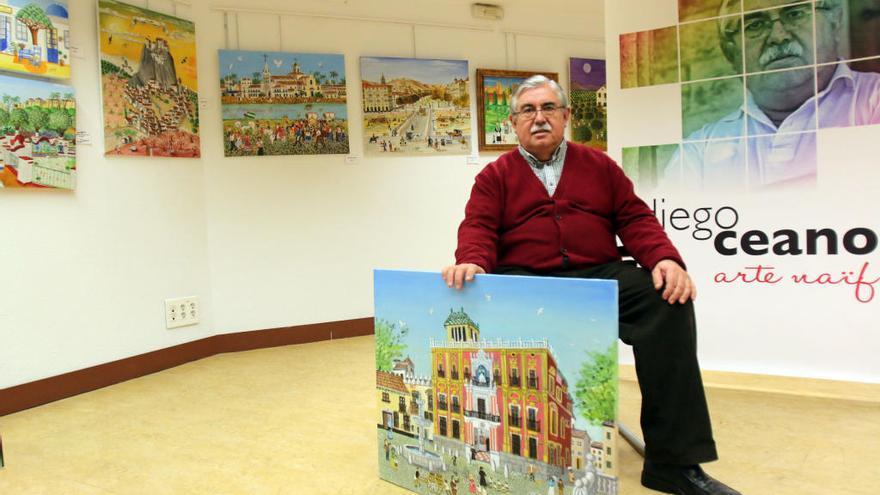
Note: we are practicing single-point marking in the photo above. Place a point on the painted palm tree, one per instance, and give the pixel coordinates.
(35, 19)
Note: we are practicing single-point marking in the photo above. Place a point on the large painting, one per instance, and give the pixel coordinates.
(415, 106)
(589, 102)
(35, 38)
(149, 82)
(494, 89)
(508, 386)
(37, 134)
(278, 103)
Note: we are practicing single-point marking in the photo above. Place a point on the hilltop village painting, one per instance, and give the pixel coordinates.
(149, 82)
(35, 38)
(277, 103)
(415, 106)
(37, 134)
(508, 386)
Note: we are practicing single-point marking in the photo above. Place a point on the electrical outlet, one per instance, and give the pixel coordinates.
(182, 311)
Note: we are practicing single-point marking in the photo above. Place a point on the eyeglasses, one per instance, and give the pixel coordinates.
(549, 110)
(760, 24)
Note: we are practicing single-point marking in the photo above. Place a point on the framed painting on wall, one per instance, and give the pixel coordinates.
(282, 103)
(149, 83)
(589, 102)
(494, 89)
(35, 38)
(504, 386)
(415, 106)
(37, 134)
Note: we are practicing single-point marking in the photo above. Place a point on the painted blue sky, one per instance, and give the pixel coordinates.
(506, 82)
(429, 71)
(30, 88)
(245, 63)
(58, 8)
(577, 316)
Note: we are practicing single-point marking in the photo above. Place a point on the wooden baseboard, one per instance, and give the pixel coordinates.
(36, 393)
(773, 384)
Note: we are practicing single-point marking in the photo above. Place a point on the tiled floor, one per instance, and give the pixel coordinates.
(300, 420)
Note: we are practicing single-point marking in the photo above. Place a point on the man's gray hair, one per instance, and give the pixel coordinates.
(534, 82)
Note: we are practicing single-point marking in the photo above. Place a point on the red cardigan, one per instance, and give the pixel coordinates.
(510, 219)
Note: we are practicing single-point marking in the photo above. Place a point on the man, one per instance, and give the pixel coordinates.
(771, 140)
(554, 208)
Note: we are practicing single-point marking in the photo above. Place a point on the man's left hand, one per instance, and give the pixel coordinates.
(674, 280)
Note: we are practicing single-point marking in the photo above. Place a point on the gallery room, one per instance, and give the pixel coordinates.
(575, 247)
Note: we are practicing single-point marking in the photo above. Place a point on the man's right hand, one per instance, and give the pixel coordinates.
(457, 275)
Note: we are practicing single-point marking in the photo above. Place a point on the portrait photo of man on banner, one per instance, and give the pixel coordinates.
(759, 79)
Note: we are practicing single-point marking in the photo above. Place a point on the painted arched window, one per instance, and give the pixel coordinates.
(482, 375)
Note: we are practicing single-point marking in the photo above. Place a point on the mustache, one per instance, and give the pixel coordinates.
(541, 127)
(774, 52)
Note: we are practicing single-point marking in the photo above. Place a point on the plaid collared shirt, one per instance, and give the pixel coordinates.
(550, 171)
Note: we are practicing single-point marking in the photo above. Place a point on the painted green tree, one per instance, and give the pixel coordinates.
(18, 118)
(596, 388)
(59, 120)
(389, 343)
(34, 18)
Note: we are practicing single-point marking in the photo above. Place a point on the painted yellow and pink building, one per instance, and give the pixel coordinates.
(503, 397)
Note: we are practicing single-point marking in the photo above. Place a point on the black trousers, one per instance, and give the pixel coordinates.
(675, 418)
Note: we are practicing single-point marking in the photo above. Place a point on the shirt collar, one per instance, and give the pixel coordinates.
(533, 161)
(841, 72)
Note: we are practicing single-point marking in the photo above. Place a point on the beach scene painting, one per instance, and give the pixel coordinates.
(37, 134)
(281, 103)
(149, 82)
(35, 38)
(508, 386)
(415, 106)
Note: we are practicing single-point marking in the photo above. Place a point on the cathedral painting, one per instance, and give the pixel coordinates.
(504, 387)
(149, 82)
(281, 103)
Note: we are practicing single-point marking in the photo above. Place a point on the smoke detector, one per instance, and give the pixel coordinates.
(487, 11)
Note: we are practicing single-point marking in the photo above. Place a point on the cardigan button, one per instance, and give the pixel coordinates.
(559, 217)
(564, 250)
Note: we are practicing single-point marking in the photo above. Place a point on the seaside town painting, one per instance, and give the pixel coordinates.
(508, 386)
(149, 82)
(37, 134)
(35, 38)
(278, 103)
(415, 106)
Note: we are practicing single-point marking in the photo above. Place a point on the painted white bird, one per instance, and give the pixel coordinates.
(277, 62)
(540, 311)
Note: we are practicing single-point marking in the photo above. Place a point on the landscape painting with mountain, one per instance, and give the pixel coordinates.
(506, 387)
(149, 82)
(415, 106)
(281, 103)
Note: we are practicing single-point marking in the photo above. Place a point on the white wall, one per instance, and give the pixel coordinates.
(268, 242)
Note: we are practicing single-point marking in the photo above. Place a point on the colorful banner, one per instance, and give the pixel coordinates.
(751, 129)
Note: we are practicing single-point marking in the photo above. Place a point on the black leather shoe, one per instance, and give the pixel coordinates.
(682, 480)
